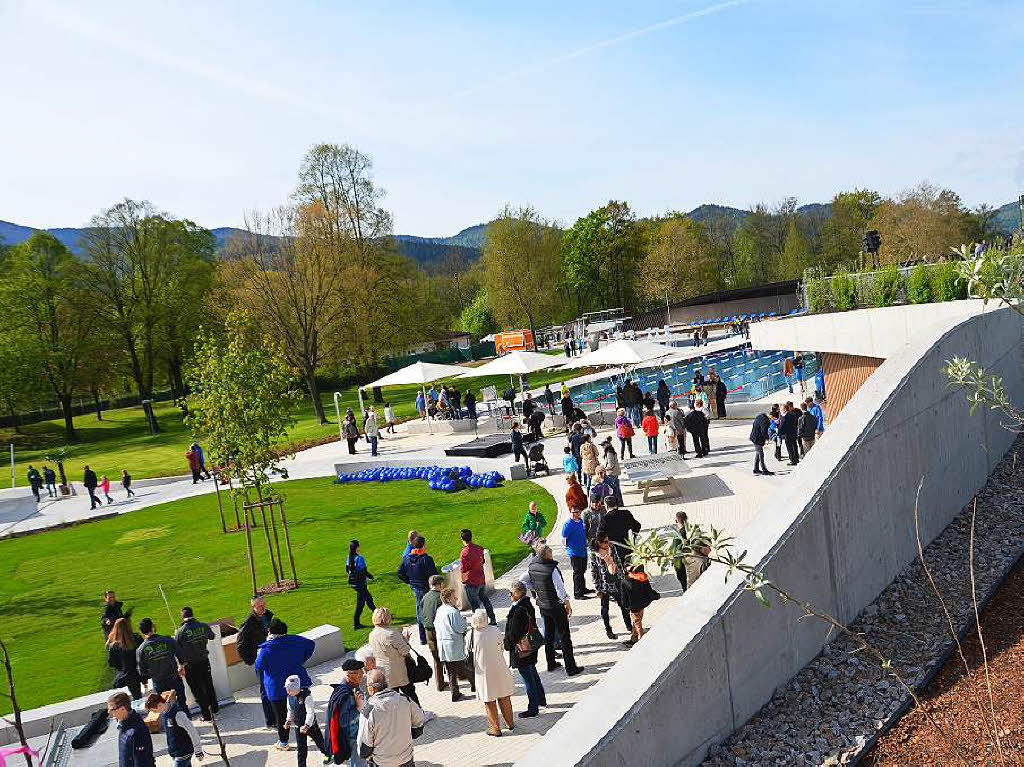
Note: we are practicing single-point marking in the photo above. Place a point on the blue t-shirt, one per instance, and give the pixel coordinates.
(575, 534)
(569, 465)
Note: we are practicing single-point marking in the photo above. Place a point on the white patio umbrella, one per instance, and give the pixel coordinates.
(514, 363)
(622, 353)
(420, 373)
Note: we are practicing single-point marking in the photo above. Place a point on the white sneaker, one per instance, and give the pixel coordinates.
(428, 715)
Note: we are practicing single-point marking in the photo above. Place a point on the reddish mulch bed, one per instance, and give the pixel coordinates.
(953, 699)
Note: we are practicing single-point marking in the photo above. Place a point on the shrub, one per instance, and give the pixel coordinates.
(818, 295)
(844, 291)
(919, 286)
(888, 286)
(947, 284)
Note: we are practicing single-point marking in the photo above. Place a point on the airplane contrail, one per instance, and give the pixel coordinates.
(673, 22)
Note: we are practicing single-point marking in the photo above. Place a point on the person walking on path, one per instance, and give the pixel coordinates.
(105, 489)
(639, 595)
(358, 576)
(428, 611)
(252, 634)
(126, 482)
(789, 431)
(759, 437)
(192, 457)
(372, 430)
(517, 445)
(494, 685)
(697, 424)
(471, 570)
(350, 430)
(574, 535)
(451, 630)
(389, 418)
(534, 524)
(555, 608)
(677, 418)
(196, 448)
(590, 459)
(281, 656)
(183, 740)
(90, 482)
(35, 481)
(342, 718)
(520, 633)
(388, 724)
(160, 659)
(121, 646)
(624, 431)
(570, 464)
(415, 571)
(134, 743)
(50, 478)
(651, 428)
(789, 370)
(192, 637)
(606, 569)
(302, 716)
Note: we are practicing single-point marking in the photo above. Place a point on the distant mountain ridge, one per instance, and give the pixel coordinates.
(428, 252)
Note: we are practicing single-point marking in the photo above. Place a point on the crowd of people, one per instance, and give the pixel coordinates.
(796, 427)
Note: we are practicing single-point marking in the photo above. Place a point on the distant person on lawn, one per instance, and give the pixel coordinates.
(415, 571)
(112, 610)
(105, 489)
(195, 466)
(358, 577)
(50, 477)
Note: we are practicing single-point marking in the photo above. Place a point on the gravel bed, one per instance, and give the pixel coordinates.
(836, 706)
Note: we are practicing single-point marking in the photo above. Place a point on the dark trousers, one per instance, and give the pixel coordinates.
(477, 596)
(438, 668)
(579, 583)
(526, 460)
(700, 442)
(792, 449)
(200, 679)
(363, 599)
(624, 443)
(680, 568)
(418, 596)
(269, 715)
(556, 624)
(759, 464)
(652, 445)
(280, 717)
(806, 443)
(93, 500)
(605, 614)
(535, 696)
(681, 442)
(352, 444)
(163, 685)
(456, 670)
(313, 734)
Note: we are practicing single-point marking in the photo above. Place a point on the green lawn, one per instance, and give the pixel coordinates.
(50, 592)
(122, 440)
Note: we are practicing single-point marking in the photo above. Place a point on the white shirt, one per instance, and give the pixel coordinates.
(556, 579)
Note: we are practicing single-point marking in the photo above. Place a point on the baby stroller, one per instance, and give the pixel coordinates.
(537, 458)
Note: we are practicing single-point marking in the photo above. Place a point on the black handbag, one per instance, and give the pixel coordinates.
(418, 670)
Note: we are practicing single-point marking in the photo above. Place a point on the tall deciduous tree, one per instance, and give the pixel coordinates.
(42, 300)
(581, 267)
(680, 262)
(920, 224)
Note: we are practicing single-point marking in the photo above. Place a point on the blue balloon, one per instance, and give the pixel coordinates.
(490, 483)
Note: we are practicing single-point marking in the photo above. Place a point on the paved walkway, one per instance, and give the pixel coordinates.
(719, 490)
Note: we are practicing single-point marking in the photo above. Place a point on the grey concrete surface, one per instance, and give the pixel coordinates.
(835, 535)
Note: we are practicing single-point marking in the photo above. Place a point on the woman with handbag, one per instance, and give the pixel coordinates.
(606, 569)
(494, 685)
(522, 640)
(451, 629)
(534, 525)
(391, 648)
(624, 431)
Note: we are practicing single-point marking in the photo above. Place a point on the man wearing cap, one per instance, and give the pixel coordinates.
(388, 724)
(192, 636)
(302, 716)
(343, 716)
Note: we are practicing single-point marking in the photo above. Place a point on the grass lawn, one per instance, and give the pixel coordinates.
(122, 439)
(52, 583)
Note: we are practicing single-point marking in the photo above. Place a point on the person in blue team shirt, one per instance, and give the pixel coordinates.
(574, 534)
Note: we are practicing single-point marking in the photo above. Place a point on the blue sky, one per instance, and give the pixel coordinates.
(207, 108)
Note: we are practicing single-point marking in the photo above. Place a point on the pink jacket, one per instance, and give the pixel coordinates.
(105, 485)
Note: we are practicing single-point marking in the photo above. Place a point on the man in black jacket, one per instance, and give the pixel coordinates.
(788, 430)
(697, 424)
(251, 634)
(159, 658)
(618, 522)
(192, 636)
(415, 571)
(134, 743)
(545, 579)
(90, 482)
(759, 436)
(112, 610)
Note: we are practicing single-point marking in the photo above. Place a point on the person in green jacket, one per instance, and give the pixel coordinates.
(534, 521)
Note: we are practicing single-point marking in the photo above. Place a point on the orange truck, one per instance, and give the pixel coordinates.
(514, 341)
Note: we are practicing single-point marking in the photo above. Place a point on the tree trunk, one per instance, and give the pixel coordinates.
(96, 403)
(69, 419)
(314, 393)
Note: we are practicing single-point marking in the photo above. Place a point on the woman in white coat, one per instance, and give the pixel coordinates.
(451, 628)
(494, 685)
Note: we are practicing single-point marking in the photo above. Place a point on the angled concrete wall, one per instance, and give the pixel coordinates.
(836, 536)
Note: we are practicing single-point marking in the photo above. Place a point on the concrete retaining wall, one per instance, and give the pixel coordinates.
(836, 536)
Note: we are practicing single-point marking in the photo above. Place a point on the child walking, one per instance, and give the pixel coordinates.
(302, 713)
(105, 488)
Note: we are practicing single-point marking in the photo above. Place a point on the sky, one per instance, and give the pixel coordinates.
(206, 109)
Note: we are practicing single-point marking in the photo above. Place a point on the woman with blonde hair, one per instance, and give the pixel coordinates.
(494, 685)
(121, 646)
(391, 647)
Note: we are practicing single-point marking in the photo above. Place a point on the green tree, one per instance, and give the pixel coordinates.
(42, 301)
(477, 318)
(581, 269)
(919, 286)
(841, 235)
(796, 252)
(681, 261)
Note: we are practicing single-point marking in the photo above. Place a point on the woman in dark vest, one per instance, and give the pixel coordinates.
(182, 738)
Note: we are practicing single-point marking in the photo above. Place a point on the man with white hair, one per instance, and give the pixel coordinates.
(365, 656)
(388, 724)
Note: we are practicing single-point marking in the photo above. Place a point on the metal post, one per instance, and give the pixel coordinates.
(362, 408)
(12, 464)
(337, 412)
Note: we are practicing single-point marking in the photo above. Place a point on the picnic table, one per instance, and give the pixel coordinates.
(654, 471)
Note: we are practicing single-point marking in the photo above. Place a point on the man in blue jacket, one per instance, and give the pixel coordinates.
(416, 568)
(282, 655)
(134, 743)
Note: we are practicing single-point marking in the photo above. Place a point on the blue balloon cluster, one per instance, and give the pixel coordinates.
(445, 478)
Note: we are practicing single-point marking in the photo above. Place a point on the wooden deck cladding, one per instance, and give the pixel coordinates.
(844, 375)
